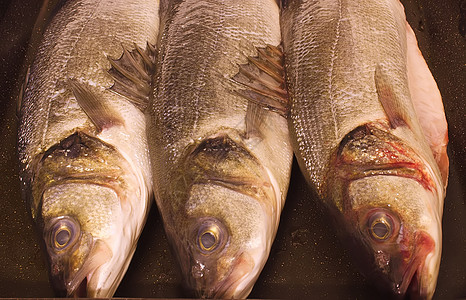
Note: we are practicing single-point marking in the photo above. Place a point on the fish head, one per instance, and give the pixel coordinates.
(225, 244)
(89, 206)
(396, 228)
(226, 222)
(82, 225)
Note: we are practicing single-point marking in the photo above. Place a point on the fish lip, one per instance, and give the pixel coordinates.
(81, 289)
(419, 287)
(414, 288)
(407, 278)
(77, 284)
(414, 280)
(241, 268)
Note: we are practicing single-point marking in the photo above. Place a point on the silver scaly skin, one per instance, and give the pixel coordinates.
(220, 184)
(83, 152)
(358, 140)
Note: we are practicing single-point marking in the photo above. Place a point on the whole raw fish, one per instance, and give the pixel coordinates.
(357, 137)
(221, 164)
(83, 151)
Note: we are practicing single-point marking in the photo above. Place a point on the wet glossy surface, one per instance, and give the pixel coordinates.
(307, 260)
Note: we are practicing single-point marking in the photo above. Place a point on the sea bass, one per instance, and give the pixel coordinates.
(357, 137)
(221, 164)
(83, 152)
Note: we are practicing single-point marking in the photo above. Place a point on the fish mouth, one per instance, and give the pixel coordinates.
(416, 280)
(415, 287)
(235, 285)
(81, 290)
(83, 283)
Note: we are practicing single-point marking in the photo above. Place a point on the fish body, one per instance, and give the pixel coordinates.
(220, 170)
(357, 137)
(83, 152)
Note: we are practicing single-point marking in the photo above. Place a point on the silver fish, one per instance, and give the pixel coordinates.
(358, 140)
(221, 164)
(83, 151)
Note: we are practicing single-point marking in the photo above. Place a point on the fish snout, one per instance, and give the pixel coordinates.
(414, 274)
(228, 279)
(71, 280)
(62, 279)
(239, 281)
(424, 281)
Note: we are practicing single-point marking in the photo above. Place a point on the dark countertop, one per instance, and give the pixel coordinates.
(307, 259)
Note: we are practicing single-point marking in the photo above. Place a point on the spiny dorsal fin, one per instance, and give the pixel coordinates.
(132, 74)
(99, 112)
(264, 80)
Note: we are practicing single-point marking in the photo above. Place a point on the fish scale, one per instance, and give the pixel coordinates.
(221, 166)
(350, 107)
(84, 163)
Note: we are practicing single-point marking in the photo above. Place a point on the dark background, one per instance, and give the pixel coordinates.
(307, 260)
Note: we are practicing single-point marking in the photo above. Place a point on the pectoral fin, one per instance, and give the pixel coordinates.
(100, 113)
(263, 79)
(132, 74)
(392, 102)
(254, 119)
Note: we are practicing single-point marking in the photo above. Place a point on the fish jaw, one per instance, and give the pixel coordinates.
(416, 275)
(236, 285)
(104, 280)
(404, 270)
(82, 283)
(72, 267)
(96, 278)
(409, 270)
(232, 278)
(95, 267)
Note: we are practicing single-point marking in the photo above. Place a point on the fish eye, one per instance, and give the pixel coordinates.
(64, 232)
(380, 226)
(210, 235)
(208, 240)
(62, 237)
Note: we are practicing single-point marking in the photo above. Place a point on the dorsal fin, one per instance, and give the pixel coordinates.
(264, 80)
(132, 74)
(100, 113)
